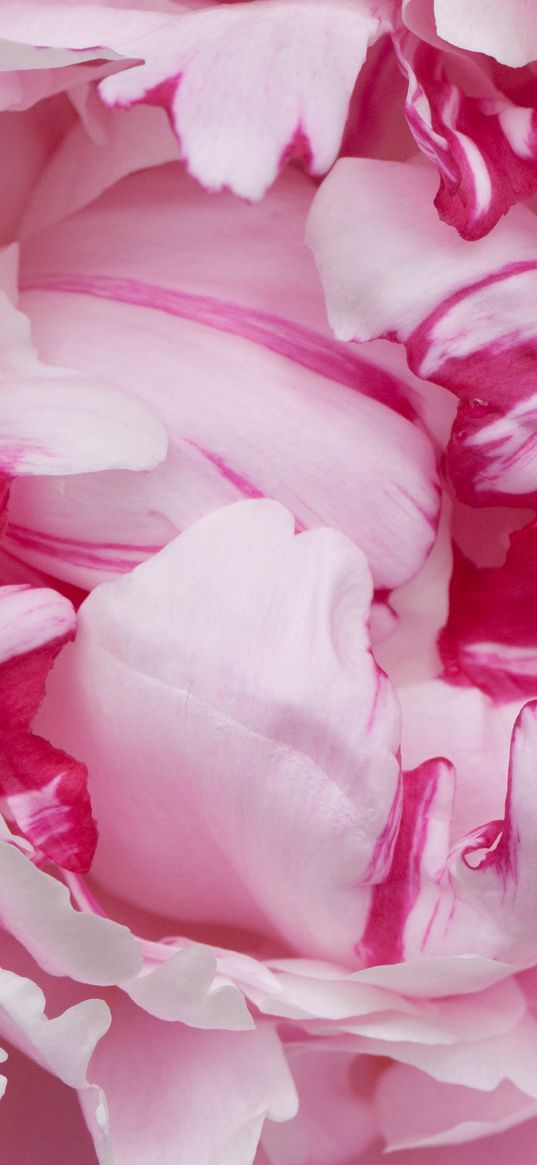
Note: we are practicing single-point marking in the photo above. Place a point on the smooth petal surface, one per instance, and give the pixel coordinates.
(515, 1146)
(183, 988)
(210, 311)
(63, 1045)
(249, 85)
(294, 726)
(36, 910)
(181, 1096)
(467, 322)
(55, 420)
(416, 1111)
(506, 32)
(334, 1122)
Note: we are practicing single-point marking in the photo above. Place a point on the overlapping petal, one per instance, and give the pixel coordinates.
(188, 1095)
(43, 790)
(265, 706)
(464, 313)
(210, 312)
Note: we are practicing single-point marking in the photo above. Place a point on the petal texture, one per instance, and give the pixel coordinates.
(243, 691)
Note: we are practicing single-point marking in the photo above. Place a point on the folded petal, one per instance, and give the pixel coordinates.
(42, 790)
(210, 312)
(56, 420)
(508, 33)
(486, 893)
(62, 1045)
(35, 623)
(464, 313)
(490, 636)
(248, 86)
(178, 1096)
(240, 649)
(35, 908)
(416, 1111)
(515, 1146)
(334, 1122)
(481, 138)
(183, 987)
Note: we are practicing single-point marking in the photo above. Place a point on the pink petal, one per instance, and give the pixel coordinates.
(483, 142)
(44, 791)
(506, 32)
(122, 307)
(179, 1096)
(251, 85)
(468, 323)
(35, 908)
(302, 706)
(62, 1045)
(421, 848)
(83, 166)
(55, 420)
(34, 624)
(184, 987)
(334, 1123)
(487, 897)
(515, 1146)
(489, 638)
(416, 1111)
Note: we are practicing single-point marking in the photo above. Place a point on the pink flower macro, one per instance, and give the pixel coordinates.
(268, 619)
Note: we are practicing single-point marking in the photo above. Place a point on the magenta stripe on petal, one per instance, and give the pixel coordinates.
(306, 347)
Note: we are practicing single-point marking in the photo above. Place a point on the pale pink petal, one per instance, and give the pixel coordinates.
(391, 1003)
(486, 898)
(181, 1096)
(302, 706)
(84, 164)
(507, 32)
(57, 420)
(183, 988)
(516, 1146)
(35, 623)
(467, 324)
(334, 1122)
(64, 1044)
(155, 298)
(27, 138)
(415, 1110)
(248, 86)
(465, 726)
(35, 909)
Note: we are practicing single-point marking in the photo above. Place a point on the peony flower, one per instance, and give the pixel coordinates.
(268, 718)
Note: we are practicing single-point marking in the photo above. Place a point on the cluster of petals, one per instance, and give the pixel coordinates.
(268, 617)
